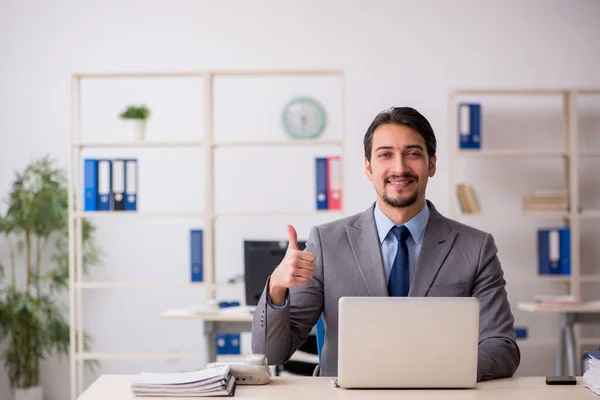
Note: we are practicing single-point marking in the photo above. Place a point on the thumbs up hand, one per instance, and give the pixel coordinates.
(296, 268)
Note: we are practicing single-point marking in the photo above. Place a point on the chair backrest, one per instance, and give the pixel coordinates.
(320, 330)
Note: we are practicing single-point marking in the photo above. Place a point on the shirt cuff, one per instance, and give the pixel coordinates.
(273, 306)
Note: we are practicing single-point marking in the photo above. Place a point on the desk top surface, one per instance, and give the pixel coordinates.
(592, 307)
(117, 387)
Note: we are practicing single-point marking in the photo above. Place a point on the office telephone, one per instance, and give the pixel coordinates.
(255, 371)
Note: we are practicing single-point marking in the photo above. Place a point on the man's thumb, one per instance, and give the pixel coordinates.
(293, 237)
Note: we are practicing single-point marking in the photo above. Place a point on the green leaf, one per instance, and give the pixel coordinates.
(135, 112)
(34, 324)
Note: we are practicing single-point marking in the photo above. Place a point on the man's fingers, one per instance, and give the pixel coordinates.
(301, 272)
(298, 280)
(301, 264)
(306, 256)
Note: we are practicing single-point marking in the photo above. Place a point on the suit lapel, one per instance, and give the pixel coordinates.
(364, 242)
(437, 242)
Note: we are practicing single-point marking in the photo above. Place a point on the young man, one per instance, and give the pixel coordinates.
(400, 246)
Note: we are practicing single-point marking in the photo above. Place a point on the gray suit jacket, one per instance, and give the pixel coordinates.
(455, 261)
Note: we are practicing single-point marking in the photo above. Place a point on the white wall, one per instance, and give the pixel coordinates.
(393, 53)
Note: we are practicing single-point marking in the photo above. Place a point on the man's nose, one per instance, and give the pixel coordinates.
(400, 165)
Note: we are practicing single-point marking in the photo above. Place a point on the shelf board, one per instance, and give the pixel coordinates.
(289, 143)
(553, 91)
(528, 214)
(511, 153)
(586, 341)
(139, 143)
(589, 278)
(200, 73)
(589, 153)
(138, 214)
(539, 278)
(590, 214)
(537, 342)
(280, 213)
(148, 285)
(123, 356)
(546, 214)
(120, 214)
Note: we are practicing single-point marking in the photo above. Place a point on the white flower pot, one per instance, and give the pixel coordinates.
(136, 128)
(32, 393)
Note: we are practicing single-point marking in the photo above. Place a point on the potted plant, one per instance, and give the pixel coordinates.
(33, 320)
(136, 116)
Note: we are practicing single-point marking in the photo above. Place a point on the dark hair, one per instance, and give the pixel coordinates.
(406, 116)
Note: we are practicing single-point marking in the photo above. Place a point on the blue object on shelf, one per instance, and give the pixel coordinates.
(554, 251)
(228, 343)
(469, 126)
(521, 333)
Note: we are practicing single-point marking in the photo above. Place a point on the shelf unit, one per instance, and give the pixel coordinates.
(570, 155)
(207, 144)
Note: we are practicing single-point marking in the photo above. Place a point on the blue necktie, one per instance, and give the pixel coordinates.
(399, 282)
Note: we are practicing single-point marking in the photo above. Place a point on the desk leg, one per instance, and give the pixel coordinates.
(570, 339)
(210, 341)
(560, 351)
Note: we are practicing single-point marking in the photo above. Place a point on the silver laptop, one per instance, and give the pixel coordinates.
(408, 342)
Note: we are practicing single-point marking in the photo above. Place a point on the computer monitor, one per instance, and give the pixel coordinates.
(261, 257)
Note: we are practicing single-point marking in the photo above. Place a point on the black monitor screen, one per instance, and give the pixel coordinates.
(261, 257)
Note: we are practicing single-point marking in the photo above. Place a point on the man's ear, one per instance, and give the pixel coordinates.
(432, 167)
(368, 171)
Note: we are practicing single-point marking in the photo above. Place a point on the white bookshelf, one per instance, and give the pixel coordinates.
(207, 144)
(569, 156)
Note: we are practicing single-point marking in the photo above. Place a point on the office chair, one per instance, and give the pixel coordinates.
(320, 335)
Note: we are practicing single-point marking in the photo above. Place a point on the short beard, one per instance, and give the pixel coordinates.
(401, 202)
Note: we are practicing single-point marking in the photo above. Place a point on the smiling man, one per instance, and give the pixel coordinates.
(400, 246)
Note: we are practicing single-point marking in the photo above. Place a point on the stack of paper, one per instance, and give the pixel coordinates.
(591, 376)
(203, 383)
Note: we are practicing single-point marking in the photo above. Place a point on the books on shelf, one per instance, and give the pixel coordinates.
(328, 183)
(110, 185)
(196, 256)
(467, 200)
(469, 125)
(554, 251)
(209, 382)
(546, 200)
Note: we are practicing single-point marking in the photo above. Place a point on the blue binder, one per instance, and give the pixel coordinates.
(221, 339)
(228, 343)
(554, 251)
(521, 332)
(321, 181)
(90, 167)
(196, 255)
(565, 251)
(131, 184)
(104, 185)
(469, 125)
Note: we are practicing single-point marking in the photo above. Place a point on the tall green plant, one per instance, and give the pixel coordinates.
(32, 318)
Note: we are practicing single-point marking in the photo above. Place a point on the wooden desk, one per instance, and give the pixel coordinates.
(571, 315)
(117, 387)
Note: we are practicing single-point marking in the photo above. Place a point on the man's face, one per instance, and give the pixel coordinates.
(399, 167)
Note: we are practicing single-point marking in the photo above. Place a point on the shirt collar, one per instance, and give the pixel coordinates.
(416, 225)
